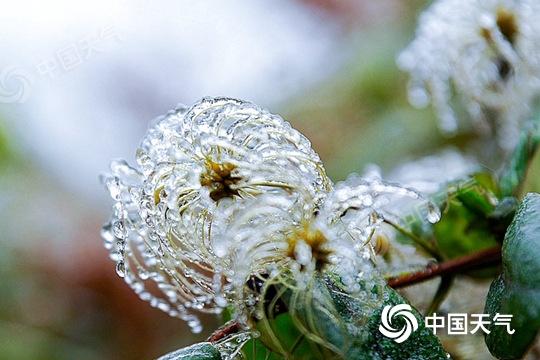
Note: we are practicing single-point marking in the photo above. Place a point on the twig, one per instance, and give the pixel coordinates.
(481, 259)
(232, 327)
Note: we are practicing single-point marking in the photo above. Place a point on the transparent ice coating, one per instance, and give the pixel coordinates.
(486, 51)
(363, 203)
(276, 240)
(226, 194)
(195, 167)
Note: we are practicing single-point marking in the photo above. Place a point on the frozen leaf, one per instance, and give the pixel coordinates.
(200, 351)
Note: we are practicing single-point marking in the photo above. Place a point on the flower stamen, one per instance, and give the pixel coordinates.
(220, 180)
(308, 244)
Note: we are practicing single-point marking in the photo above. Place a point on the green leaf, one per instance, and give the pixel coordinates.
(474, 218)
(514, 175)
(200, 351)
(422, 344)
(516, 291)
(466, 225)
(332, 324)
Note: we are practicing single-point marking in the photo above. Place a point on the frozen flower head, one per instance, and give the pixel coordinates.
(225, 148)
(486, 52)
(197, 166)
(280, 236)
(229, 203)
(285, 257)
(281, 255)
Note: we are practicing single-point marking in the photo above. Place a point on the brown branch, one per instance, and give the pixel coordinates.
(232, 327)
(481, 259)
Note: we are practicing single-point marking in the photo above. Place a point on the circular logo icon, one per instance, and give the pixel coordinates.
(399, 335)
(15, 84)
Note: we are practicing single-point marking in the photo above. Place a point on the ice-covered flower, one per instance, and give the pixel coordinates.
(281, 253)
(197, 166)
(278, 248)
(486, 52)
(229, 202)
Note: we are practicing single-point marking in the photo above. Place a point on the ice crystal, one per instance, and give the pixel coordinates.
(486, 51)
(228, 202)
(363, 203)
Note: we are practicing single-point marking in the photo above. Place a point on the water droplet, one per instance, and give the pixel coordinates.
(137, 287)
(120, 167)
(120, 246)
(119, 229)
(149, 221)
(195, 326)
(116, 256)
(151, 261)
(433, 214)
(146, 163)
(220, 301)
(143, 274)
(114, 186)
(163, 306)
(146, 296)
(121, 269)
(108, 245)
(418, 97)
(106, 233)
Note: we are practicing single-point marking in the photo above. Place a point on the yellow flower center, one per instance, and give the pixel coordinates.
(315, 240)
(219, 180)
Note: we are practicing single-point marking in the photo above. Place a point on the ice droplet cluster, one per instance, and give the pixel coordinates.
(224, 192)
(486, 52)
